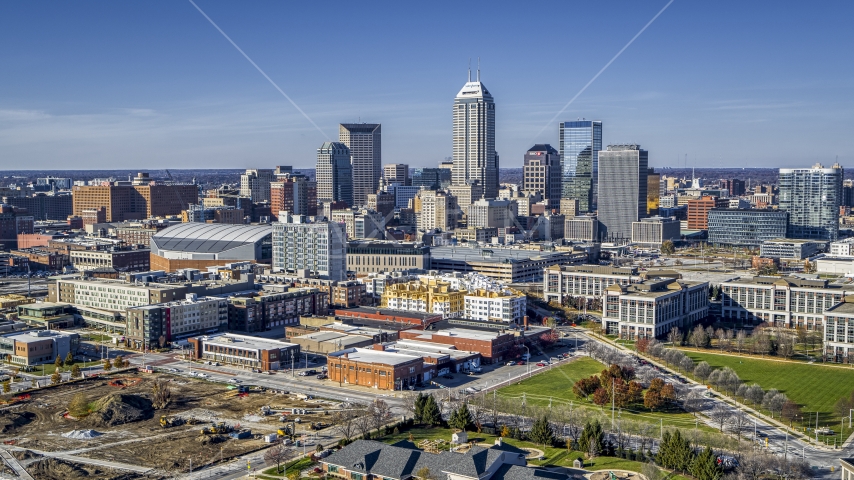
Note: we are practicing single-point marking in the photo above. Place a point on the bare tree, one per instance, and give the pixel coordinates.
(687, 364)
(277, 454)
(720, 415)
(379, 413)
(479, 411)
(675, 336)
(699, 337)
(344, 423)
(738, 423)
(740, 339)
(702, 371)
(754, 394)
(720, 335)
(693, 402)
(364, 424)
(162, 393)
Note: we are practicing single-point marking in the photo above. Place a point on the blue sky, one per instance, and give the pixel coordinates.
(101, 84)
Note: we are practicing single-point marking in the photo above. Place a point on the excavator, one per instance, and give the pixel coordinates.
(217, 428)
(167, 422)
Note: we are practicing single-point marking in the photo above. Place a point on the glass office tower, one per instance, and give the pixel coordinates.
(580, 143)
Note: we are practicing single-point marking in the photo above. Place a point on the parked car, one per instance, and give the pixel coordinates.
(322, 376)
(541, 364)
(520, 362)
(510, 364)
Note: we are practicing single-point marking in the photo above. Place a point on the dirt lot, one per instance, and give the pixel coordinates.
(130, 430)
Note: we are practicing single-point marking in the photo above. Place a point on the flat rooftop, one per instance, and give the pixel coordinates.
(353, 329)
(481, 335)
(245, 341)
(406, 346)
(384, 311)
(845, 308)
(491, 255)
(366, 355)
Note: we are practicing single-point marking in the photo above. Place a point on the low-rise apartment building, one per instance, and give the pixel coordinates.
(501, 306)
(652, 308)
(266, 310)
(150, 326)
(431, 296)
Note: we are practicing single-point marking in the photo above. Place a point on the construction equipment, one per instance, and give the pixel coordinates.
(167, 422)
(217, 428)
(318, 426)
(285, 432)
(265, 410)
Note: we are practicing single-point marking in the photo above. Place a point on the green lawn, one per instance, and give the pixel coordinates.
(50, 367)
(292, 466)
(555, 386)
(813, 387)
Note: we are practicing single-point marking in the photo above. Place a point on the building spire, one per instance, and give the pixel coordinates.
(469, 68)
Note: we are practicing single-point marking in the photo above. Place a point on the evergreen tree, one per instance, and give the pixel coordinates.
(58, 363)
(541, 432)
(420, 401)
(431, 415)
(705, 466)
(69, 360)
(6, 387)
(592, 434)
(675, 452)
(461, 418)
(75, 371)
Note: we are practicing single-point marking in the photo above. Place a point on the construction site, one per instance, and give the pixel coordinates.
(123, 426)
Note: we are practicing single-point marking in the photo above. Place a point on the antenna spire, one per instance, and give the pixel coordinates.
(469, 68)
(478, 69)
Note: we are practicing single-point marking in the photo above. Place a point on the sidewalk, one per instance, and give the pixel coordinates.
(727, 399)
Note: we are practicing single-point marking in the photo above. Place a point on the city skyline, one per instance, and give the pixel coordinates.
(168, 90)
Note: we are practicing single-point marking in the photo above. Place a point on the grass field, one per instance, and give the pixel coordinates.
(555, 386)
(815, 388)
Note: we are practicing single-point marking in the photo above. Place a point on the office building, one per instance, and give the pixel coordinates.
(396, 173)
(475, 158)
(569, 207)
(403, 195)
(698, 211)
(734, 186)
(839, 339)
(310, 249)
(365, 143)
(587, 281)
(812, 197)
(119, 259)
(654, 231)
(153, 326)
(492, 213)
(144, 199)
(244, 351)
(38, 347)
(334, 173)
(382, 203)
(746, 227)
(437, 210)
(508, 265)
(652, 308)
(842, 248)
(54, 183)
(202, 245)
(541, 173)
(653, 192)
(255, 185)
(580, 143)
(788, 248)
(13, 222)
(43, 207)
(581, 229)
(375, 256)
(788, 302)
(622, 190)
(295, 194)
(430, 178)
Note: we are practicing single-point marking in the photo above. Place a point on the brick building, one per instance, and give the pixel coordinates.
(134, 202)
(492, 345)
(698, 211)
(408, 319)
(244, 351)
(375, 368)
(262, 311)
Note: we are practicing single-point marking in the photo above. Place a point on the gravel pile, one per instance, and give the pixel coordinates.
(82, 434)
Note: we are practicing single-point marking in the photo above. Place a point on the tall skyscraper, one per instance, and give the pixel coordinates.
(622, 190)
(334, 173)
(396, 173)
(255, 184)
(812, 197)
(580, 143)
(653, 192)
(293, 193)
(475, 159)
(365, 144)
(541, 173)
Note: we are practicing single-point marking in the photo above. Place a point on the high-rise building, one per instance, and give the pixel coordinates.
(580, 143)
(492, 213)
(812, 197)
(293, 193)
(334, 173)
(745, 227)
(653, 192)
(698, 211)
(436, 210)
(622, 190)
(475, 159)
(255, 184)
(734, 186)
(365, 143)
(431, 178)
(396, 173)
(310, 249)
(541, 173)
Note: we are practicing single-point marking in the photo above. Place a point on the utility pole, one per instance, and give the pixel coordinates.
(613, 382)
(786, 448)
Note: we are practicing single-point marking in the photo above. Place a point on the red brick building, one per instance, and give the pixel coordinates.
(493, 346)
(375, 368)
(698, 211)
(412, 319)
